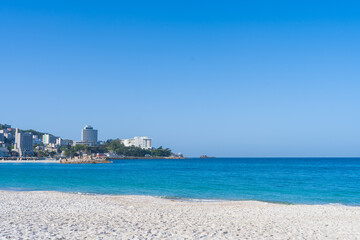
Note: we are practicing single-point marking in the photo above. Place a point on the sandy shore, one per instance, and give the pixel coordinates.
(29, 161)
(54, 215)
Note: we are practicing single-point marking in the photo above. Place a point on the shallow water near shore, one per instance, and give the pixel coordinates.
(285, 180)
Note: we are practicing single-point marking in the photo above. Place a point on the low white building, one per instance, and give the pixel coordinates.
(50, 148)
(62, 142)
(81, 143)
(142, 142)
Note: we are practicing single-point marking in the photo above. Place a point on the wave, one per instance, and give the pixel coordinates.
(184, 199)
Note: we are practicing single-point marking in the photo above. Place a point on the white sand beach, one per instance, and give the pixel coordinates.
(54, 215)
(30, 161)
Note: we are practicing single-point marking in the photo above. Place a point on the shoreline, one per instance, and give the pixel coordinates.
(30, 161)
(86, 161)
(184, 199)
(42, 214)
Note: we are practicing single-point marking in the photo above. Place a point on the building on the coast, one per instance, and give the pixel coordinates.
(62, 142)
(50, 148)
(5, 126)
(36, 140)
(128, 142)
(23, 143)
(81, 143)
(89, 135)
(66, 142)
(4, 152)
(40, 148)
(51, 145)
(59, 142)
(48, 139)
(7, 134)
(2, 138)
(142, 142)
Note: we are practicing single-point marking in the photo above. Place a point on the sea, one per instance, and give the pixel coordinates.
(281, 180)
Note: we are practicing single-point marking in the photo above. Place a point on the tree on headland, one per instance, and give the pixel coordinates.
(34, 132)
(160, 152)
(109, 146)
(114, 146)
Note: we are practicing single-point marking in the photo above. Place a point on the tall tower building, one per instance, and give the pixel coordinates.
(89, 135)
(23, 143)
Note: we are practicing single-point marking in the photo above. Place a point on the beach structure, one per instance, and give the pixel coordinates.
(142, 142)
(23, 143)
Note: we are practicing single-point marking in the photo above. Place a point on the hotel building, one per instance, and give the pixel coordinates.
(23, 143)
(142, 142)
(89, 136)
(48, 139)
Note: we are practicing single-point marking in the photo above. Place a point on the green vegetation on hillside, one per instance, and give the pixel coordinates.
(118, 148)
(110, 146)
(3, 126)
(34, 132)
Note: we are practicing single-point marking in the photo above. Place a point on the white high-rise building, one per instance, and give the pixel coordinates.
(59, 142)
(23, 143)
(48, 139)
(142, 142)
(89, 135)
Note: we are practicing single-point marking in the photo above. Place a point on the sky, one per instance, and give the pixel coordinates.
(222, 78)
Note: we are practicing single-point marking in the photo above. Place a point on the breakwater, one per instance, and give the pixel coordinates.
(84, 160)
(144, 158)
(19, 158)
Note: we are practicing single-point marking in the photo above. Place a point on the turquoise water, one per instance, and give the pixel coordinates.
(290, 180)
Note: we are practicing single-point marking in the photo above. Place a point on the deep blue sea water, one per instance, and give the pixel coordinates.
(290, 180)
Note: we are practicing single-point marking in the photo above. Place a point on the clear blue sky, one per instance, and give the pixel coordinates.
(223, 78)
